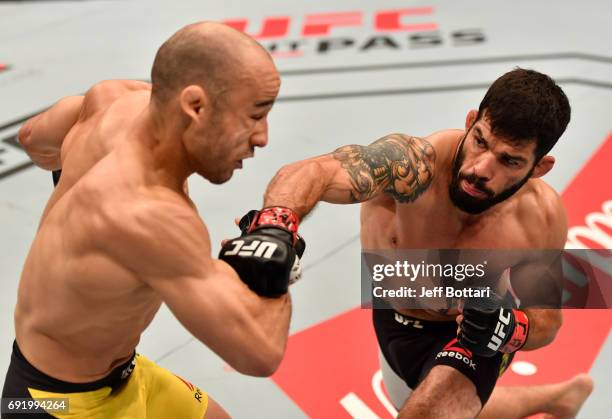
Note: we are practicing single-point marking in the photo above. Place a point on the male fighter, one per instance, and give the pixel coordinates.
(455, 189)
(120, 235)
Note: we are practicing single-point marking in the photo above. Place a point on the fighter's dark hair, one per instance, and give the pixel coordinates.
(524, 105)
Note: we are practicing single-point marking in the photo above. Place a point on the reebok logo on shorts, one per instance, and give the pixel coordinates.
(453, 345)
(197, 393)
(453, 350)
(187, 383)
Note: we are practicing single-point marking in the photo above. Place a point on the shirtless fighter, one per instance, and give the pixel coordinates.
(120, 235)
(481, 189)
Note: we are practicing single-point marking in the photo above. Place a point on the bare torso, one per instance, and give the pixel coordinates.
(79, 312)
(429, 222)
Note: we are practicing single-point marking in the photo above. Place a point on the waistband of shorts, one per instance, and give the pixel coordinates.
(41, 381)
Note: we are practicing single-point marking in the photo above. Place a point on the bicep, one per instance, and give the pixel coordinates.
(539, 282)
(400, 165)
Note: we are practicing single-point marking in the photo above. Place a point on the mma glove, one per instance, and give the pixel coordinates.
(488, 327)
(267, 254)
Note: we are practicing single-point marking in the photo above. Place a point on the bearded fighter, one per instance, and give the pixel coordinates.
(481, 188)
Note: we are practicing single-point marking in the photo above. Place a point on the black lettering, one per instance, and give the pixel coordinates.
(295, 45)
(334, 43)
(425, 39)
(468, 37)
(380, 42)
(285, 46)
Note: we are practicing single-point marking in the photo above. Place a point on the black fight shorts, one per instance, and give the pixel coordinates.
(412, 347)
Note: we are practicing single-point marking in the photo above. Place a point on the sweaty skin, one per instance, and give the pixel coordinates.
(402, 182)
(119, 235)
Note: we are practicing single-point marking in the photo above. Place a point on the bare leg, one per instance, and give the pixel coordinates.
(561, 400)
(215, 411)
(444, 393)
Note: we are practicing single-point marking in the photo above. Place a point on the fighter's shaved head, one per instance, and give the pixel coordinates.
(208, 54)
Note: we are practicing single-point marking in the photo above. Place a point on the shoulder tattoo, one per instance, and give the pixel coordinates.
(397, 164)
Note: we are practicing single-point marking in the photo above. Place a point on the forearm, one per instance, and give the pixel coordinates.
(253, 341)
(400, 165)
(298, 186)
(543, 327)
(252, 333)
(272, 321)
(247, 331)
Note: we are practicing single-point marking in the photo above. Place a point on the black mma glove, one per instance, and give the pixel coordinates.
(488, 328)
(267, 254)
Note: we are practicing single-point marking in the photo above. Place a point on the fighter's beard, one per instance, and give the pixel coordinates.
(467, 203)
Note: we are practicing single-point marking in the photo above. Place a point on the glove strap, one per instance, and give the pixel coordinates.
(519, 334)
(282, 217)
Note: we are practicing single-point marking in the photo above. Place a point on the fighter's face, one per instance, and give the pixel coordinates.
(242, 125)
(221, 135)
(488, 169)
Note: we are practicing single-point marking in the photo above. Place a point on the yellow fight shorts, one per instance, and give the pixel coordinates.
(137, 389)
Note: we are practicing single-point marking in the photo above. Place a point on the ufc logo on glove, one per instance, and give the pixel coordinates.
(499, 335)
(256, 248)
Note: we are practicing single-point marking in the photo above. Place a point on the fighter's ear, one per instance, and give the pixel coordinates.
(194, 101)
(544, 166)
(470, 119)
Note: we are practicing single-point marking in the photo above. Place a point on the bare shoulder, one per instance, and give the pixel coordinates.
(102, 94)
(114, 88)
(445, 144)
(542, 206)
(154, 231)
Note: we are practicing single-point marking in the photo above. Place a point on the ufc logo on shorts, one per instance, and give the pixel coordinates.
(401, 319)
(500, 333)
(256, 248)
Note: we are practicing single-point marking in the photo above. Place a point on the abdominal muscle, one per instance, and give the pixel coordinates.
(380, 231)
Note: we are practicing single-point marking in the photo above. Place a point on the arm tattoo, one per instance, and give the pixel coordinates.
(398, 164)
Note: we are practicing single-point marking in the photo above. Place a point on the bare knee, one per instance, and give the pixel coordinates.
(215, 411)
(444, 393)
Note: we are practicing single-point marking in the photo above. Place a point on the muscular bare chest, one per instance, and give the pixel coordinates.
(428, 224)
